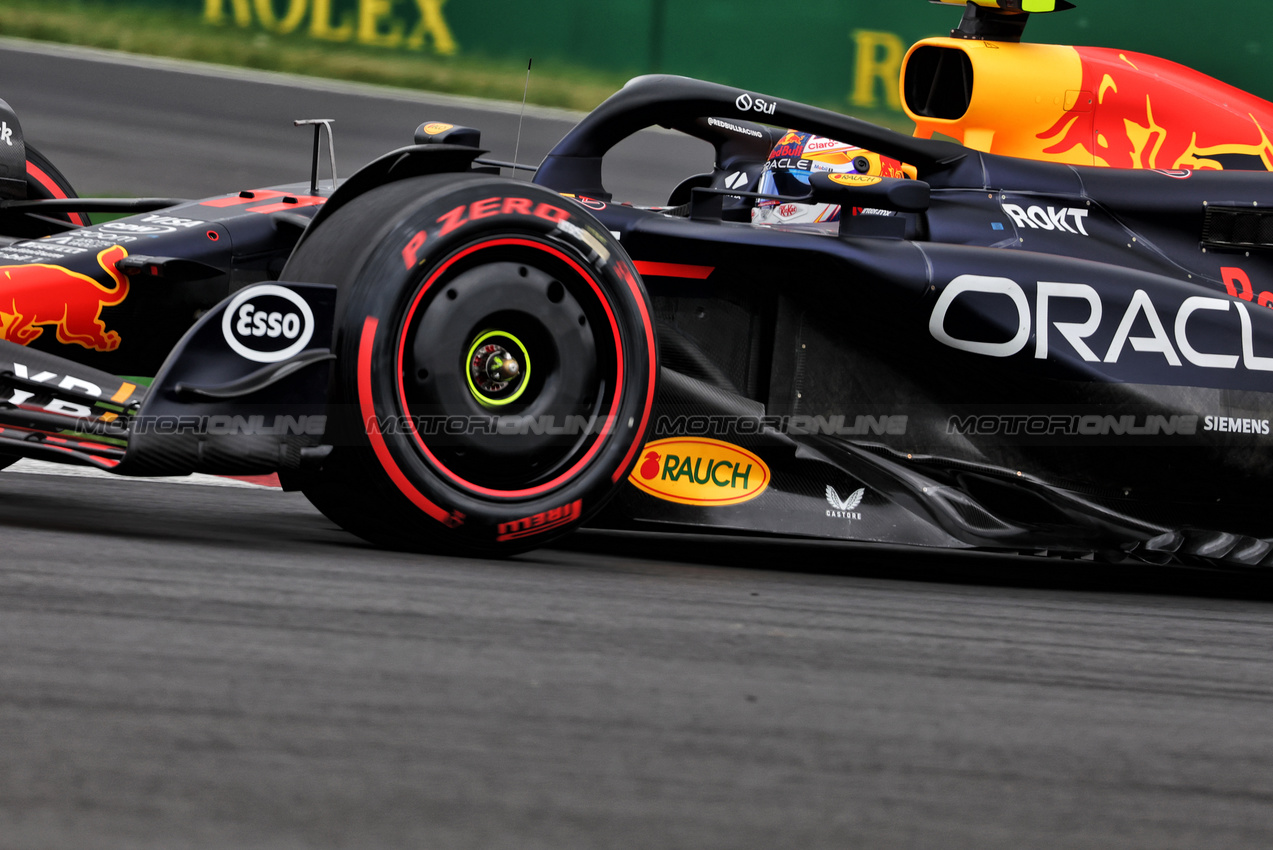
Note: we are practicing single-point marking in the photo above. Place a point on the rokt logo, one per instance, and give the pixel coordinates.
(1048, 218)
(267, 323)
(700, 471)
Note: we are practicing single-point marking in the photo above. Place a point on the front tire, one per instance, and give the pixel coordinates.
(44, 181)
(495, 364)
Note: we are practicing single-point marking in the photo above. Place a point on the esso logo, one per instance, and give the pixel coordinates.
(130, 227)
(267, 323)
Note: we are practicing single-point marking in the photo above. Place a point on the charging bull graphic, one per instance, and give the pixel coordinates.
(1084, 106)
(38, 294)
(1152, 113)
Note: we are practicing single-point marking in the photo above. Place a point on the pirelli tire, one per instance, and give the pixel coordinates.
(44, 181)
(495, 364)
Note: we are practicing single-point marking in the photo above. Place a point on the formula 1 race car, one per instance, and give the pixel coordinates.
(987, 351)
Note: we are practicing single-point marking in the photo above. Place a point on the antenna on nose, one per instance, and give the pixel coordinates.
(319, 124)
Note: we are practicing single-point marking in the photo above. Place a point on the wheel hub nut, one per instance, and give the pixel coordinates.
(501, 366)
(498, 367)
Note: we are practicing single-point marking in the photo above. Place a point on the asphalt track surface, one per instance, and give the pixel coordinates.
(129, 126)
(207, 667)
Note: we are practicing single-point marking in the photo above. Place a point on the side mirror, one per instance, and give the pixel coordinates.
(866, 190)
(439, 133)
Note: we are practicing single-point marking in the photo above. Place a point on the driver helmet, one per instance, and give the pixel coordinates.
(794, 158)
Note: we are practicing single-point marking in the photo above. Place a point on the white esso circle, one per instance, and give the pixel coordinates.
(744, 102)
(297, 326)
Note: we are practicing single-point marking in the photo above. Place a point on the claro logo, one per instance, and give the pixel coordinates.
(699, 471)
(1195, 333)
(267, 323)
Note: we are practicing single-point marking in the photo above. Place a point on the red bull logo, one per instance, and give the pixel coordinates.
(1095, 106)
(38, 295)
(791, 144)
(1147, 112)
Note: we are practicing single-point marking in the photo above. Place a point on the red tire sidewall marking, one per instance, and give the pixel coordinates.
(652, 352)
(615, 397)
(52, 188)
(367, 406)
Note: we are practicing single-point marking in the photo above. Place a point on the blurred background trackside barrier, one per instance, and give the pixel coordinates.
(843, 54)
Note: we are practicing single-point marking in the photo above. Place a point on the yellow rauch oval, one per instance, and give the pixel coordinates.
(435, 128)
(699, 471)
(855, 179)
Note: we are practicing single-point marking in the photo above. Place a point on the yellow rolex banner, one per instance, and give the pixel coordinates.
(841, 54)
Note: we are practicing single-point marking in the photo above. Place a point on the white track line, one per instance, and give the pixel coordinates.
(228, 72)
(44, 467)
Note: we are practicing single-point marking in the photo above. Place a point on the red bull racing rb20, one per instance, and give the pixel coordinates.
(1053, 334)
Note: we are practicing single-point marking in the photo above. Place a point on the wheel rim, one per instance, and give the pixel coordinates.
(530, 301)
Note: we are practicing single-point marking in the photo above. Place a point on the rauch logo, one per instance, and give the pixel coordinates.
(699, 471)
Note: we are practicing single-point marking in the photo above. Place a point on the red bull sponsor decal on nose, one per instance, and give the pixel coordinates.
(36, 295)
